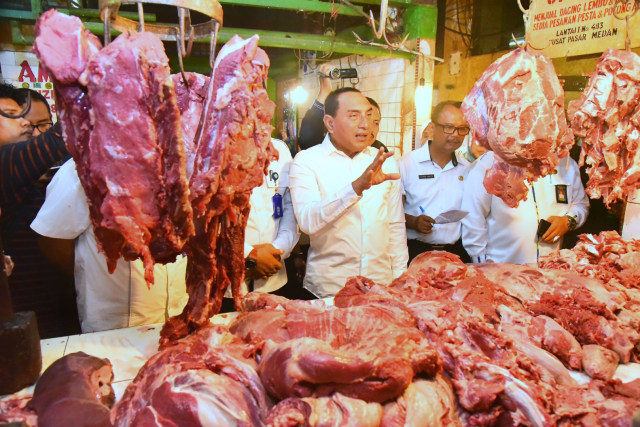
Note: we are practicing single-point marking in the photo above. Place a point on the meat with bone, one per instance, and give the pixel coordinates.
(335, 410)
(600, 362)
(370, 352)
(208, 378)
(231, 159)
(516, 109)
(607, 117)
(134, 131)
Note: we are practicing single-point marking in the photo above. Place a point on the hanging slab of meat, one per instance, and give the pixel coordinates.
(607, 117)
(130, 157)
(336, 410)
(206, 379)
(231, 159)
(516, 109)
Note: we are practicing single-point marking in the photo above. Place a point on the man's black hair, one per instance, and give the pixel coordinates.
(374, 103)
(7, 91)
(437, 110)
(23, 93)
(331, 103)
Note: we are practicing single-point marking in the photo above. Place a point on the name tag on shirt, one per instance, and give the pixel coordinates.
(428, 176)
(561, 194)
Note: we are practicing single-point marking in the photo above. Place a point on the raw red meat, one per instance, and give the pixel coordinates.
(231, 159)
(208, 378)
(74, 390)
(516, 109)
(309, 351)
(121, 120)
(607, 117)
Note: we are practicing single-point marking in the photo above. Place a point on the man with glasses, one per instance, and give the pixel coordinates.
(39, 114)
(432, 181)
(24, 159)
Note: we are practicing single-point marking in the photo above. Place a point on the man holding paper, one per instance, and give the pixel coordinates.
(432, 181)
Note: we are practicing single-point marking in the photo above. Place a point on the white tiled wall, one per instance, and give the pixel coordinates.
(391, 82)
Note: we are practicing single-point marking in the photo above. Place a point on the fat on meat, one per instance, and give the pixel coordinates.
(607, 117)
(208, 378)
(335, 410)
(122, 124)
(516, 109)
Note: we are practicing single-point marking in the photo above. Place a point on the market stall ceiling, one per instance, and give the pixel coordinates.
(287, 28)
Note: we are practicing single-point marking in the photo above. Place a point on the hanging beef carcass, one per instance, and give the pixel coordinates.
(230, 161)
(122, 124)
(607, 117)
(516, 109)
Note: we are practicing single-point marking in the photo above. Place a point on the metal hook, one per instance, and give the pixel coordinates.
(383, 20)
(107, 25)
(212, 46)
(20, 114)
(140, 17)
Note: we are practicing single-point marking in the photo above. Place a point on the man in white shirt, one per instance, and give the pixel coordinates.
(495, 232)
(346, 196)
(272, 231)
(105, 301)
(432, 182)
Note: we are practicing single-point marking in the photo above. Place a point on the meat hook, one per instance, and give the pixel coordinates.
(383, 20)
(20, 114)
(627, 40)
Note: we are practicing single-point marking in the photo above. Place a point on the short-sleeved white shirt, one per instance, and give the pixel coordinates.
(106, 301)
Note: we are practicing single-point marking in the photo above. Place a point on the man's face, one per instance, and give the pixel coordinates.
(375, 125)
(38, 115)
(12, 130)
(350, 129)
(450, 116)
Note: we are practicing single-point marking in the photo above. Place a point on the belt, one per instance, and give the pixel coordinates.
(434, 246)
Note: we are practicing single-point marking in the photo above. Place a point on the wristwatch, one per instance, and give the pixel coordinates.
(572, 222)
(250, 262)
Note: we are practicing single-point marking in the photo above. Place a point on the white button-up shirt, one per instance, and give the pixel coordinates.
(425, 184)
(495, 232)
(350, 235)
(106, 301)
(262, 227)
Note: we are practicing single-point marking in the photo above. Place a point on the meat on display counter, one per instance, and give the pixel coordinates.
(127, 349)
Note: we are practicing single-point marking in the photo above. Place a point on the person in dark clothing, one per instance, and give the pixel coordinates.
(34, 284)
(312, 130)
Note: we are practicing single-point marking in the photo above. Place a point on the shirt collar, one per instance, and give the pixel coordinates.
(424, 155)
(331, 149)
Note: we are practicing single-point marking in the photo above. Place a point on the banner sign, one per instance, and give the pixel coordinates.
(22, 69)
(579, 27)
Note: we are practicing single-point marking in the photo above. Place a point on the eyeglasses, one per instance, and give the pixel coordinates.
(42, 127)
(449, 129)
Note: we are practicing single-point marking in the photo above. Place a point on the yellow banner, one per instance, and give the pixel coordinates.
(578, 27)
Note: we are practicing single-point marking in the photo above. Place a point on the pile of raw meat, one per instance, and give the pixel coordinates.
(516, 109)
(154, 191)
(444, 344)
(607, 117)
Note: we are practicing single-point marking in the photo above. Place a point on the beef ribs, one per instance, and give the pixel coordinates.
(516, 109)
(231, 159)
(607, 117)
(122, 124)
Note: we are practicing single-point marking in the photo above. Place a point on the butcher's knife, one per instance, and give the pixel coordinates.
(450, 216)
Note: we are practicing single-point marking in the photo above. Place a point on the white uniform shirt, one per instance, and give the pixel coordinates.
(106, 301)
(495, 232)
(425, 184)
(262, 227)
(350, 235)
